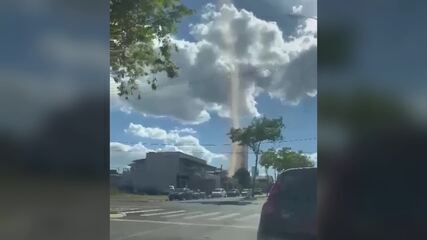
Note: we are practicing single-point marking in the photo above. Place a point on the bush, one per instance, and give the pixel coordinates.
(243, 177)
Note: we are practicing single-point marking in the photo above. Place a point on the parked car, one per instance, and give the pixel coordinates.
(290, 210)
(258, 191)
(180, 194)
(198, 194)
(246, 192)
(202, 195)
(233, 193)
(219, 192)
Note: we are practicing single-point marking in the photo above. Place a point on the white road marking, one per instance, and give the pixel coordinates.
(161, 213)
(127, 209)
(187, 224)
(143, 211)
(224, 216)
(181, 214)
(202, 215)
(249, 217)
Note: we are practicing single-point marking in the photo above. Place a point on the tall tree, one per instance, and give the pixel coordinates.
(284, 159)
(290, 159)
(267, 159)
(260, 130)
(140, 43)
(243, 178)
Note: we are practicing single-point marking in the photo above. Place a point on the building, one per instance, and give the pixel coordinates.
(239, 158)
(159, 170)
(120, 181)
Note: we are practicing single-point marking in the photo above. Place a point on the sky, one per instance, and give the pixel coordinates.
(276, 57)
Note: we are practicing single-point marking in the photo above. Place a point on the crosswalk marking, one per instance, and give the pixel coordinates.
(212, 216)
(143, 211)
(249, 217)
(202, 215)
(224, 216)
(182, 214)
(254, 228)
(128, 209)
(161, 213)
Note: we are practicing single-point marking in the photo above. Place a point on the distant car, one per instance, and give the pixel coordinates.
(233, 193)
(198, 194)
(258, 191)
(290, 210)
(219, 192)
(180, 194)
(246, 192)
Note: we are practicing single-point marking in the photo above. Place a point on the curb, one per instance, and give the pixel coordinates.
(216, 201)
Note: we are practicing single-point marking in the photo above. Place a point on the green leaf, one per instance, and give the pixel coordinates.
(134, 25)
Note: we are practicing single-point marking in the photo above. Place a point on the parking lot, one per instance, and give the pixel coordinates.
(185, 220)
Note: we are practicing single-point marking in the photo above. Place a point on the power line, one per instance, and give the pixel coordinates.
(194, 152)
(221, 144)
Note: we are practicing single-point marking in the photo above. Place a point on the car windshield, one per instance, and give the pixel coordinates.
(218, 189)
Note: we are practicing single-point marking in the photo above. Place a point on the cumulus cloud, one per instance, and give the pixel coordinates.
(297, 9)
(184, 130)
(123, 154)
(175, 141)
(257, 51)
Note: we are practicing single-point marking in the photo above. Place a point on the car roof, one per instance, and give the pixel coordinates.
(302, 170)
(298, 171)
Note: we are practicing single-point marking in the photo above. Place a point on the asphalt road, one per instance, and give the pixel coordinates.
(189, 221)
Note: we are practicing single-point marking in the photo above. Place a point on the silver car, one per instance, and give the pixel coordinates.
(219, 192)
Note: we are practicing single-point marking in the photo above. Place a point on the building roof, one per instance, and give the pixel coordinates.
(176, 155)
(191, 158)
(136, 161)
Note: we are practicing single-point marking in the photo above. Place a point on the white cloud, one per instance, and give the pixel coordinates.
(266, 61)
(146, 132)
(122, 154)
(303, 7)
(174, 141)
(297, 9)
(184, 130)
(312, 157)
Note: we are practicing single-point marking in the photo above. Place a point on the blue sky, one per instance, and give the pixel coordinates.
(155, 120)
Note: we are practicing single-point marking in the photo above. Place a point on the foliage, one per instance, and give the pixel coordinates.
(260, 130)
(268, 158)
(230, 183)
(285, 158)
(243, 177)
(140, 41)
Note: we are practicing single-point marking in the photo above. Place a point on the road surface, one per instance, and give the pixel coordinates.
(179, 220)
